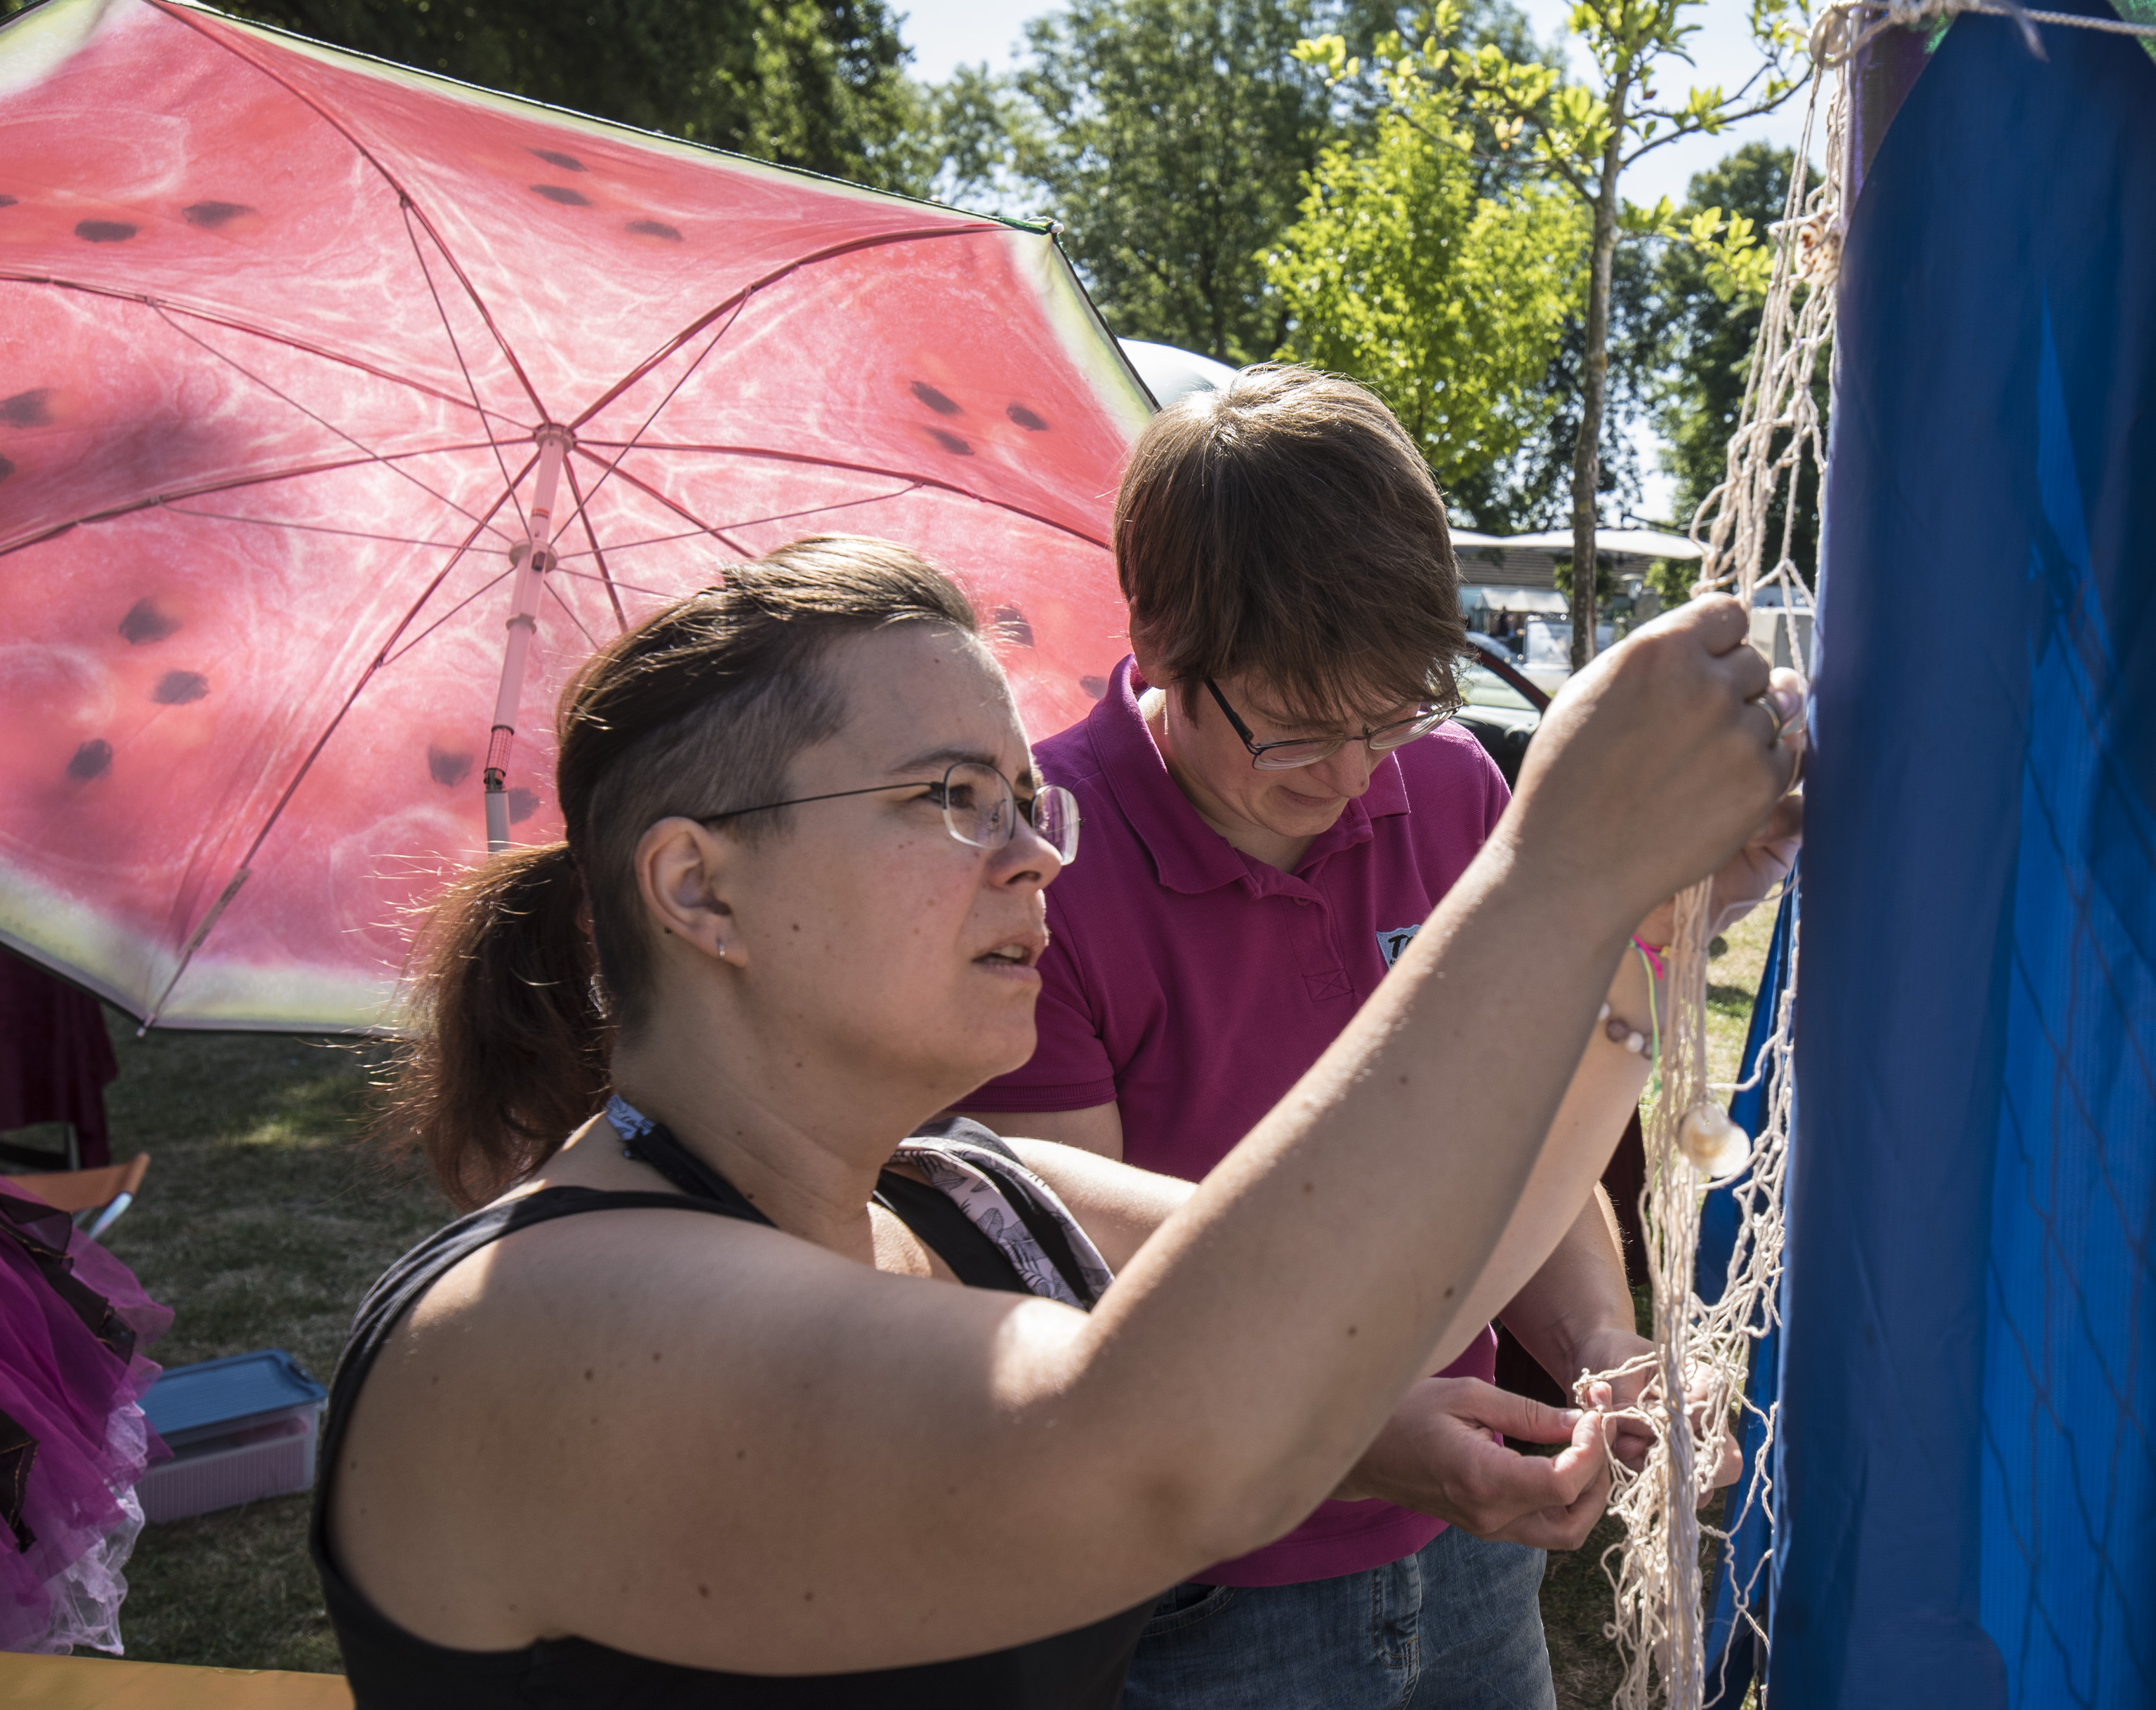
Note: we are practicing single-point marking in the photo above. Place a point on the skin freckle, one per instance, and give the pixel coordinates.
(703, 1591)
(1351, 1329)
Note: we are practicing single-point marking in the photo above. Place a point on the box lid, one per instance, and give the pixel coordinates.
(189, 1403)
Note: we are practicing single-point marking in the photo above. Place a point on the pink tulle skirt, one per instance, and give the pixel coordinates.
(74, 1324)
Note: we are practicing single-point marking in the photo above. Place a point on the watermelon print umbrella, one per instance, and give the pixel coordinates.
(301, 353)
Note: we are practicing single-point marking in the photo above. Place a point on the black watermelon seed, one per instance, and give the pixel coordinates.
(563, 194)
(951, 442)
(103, 231)
(1026, 418)
(1095, 686)
(27, 409)
(522, 805)
(1011, 622)
(210, 215)
(934, 400)
(93, 759)
(7, 201)
(449, 768)
(145, 623)
(653, 228)
(7, 468)
(179, 688)
(554, 157)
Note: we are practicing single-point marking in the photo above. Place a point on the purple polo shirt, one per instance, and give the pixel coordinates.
(1192, 986)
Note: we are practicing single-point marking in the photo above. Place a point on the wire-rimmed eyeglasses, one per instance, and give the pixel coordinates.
(979, 807)
(1308, 751)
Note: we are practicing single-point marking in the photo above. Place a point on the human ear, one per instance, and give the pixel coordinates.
(683, 872)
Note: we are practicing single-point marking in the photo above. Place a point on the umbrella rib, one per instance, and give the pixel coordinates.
(896, 475)
(484, 588)
(679, 509)
(824, 510)
(683, 380)
(370, 454)
(914, 235)
(231, 485)
(463, 367)
(403, 196)
(305, 527)
(555, 590)
(284, 801)
(584, 518)
(656, 540)
(165, 306)
(629, 587)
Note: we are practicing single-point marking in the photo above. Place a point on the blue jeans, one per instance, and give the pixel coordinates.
(1457, 1626)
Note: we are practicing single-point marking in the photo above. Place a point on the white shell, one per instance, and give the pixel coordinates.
(1716, 1145)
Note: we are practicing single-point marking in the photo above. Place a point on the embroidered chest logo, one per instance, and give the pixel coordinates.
(1391, 942)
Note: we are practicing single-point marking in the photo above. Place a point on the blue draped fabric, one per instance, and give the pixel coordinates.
(1968, 1475)
(1732, 1651)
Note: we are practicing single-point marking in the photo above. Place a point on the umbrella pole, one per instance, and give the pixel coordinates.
(537, 559)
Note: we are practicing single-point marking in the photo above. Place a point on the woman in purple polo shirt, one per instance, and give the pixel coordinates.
(1273, 805)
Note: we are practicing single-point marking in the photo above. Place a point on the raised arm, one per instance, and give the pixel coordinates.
(809, 1464)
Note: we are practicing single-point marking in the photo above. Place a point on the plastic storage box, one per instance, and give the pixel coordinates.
(239, 1429)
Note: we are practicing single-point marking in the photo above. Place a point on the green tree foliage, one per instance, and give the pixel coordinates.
(1707, 326)
(1449, 303)
(1170, 136)
(1172, 139)
(1531, 489)
(1581, 137)
(807, 83)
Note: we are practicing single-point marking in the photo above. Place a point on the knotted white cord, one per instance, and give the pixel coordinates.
(1701, 1350)
(1698, 1371)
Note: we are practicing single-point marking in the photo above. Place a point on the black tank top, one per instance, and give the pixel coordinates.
(390, 1669)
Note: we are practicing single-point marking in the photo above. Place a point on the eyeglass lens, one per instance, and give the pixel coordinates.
(1286, 756)
(979, 809)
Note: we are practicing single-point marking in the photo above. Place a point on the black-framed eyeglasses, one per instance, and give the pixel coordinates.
(979, 807)
(1308, 751)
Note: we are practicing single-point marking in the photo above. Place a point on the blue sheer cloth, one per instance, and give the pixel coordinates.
(1966, 1511)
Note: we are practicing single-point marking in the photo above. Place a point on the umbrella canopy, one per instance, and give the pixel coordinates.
(302, 351)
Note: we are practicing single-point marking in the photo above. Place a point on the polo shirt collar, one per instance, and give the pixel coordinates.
(1190, 855)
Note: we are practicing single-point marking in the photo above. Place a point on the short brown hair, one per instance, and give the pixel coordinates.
(523, 972)
(1287, 527)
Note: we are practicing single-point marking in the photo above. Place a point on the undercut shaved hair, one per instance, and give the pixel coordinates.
(524, 973)
(1287, 529)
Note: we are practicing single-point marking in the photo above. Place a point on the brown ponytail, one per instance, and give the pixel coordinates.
(509, 1050)
(700, 709)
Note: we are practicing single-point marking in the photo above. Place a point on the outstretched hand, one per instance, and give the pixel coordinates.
(1630, 1439)
(1437, 1455)
(1658, 763)
(1748, 877)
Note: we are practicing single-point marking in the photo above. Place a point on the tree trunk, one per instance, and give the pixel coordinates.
(1587, 455)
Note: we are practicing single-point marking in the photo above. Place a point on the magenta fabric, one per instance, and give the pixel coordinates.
(1192, 986)
(55, 1057)
(73, 1325)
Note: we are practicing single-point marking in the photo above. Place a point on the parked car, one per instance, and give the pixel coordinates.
(1504, 705)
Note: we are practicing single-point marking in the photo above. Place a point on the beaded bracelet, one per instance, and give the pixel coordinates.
(1623, 1033)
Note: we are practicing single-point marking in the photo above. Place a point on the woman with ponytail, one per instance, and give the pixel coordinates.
(585, 1449)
